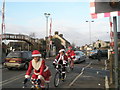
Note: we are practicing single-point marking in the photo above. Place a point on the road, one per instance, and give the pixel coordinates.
(88, 74)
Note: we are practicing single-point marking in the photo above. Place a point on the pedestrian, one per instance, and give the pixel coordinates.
(99, 53)
(44, 54)
(40, 70)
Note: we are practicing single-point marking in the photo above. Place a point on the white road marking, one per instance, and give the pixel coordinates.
(11, 79)
(106, 78)
(79, 74)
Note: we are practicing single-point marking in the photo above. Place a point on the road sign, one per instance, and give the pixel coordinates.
(100, 9)
(103, 7)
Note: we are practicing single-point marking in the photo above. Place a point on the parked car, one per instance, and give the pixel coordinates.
(93, 54)
(104, 53)
(18, 59)
(79, 57)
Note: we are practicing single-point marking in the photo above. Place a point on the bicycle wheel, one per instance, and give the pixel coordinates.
(47, 86)
(57, 79)
(68, 68)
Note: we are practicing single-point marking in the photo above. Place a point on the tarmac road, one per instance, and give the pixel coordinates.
(88, 74)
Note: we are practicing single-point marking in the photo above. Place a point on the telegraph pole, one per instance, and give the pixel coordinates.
(2, 29)
(116, 51)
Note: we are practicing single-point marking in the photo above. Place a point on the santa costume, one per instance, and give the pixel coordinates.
(40, 70)
(71, 56)
(61, 59)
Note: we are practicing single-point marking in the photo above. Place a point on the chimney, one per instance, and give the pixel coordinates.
(56, 33)
(61, 35)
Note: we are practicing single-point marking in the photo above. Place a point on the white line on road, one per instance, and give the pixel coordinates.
(11, 79)
(79, 74)
(106, 78)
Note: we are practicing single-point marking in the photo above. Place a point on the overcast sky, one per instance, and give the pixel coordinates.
(69, 18)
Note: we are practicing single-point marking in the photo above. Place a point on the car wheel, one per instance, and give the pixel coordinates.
(10, 68)
(26, 66)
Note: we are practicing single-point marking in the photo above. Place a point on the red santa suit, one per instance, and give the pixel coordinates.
(40, 70)
(61, 59)
(71, 56)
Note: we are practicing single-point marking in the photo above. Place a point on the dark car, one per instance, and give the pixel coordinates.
(79, 57)
(93, 54)
(18, 59)
(104, 53)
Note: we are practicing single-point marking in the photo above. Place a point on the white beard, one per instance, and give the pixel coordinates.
(37, 65)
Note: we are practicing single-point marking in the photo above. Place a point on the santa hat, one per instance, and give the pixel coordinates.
(36, 53)
(70, 47)
(62, 50)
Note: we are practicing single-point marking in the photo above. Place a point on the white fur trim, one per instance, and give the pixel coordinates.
(62, 50)
(35, 55)
(46, 69)
(36, 73)
(36, 65)
(27, 76)
(72, 56)
(42, 86)
(41, 77)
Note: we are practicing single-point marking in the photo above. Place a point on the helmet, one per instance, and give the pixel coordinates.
(61, 50)
(36, 53)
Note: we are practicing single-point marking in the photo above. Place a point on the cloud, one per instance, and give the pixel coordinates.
(74, 32)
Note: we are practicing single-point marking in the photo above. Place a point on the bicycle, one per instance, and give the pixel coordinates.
(58, 75)
(70, 64)
(36, 84)
(68, 68)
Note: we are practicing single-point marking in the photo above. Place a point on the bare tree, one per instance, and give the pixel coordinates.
(32, 34)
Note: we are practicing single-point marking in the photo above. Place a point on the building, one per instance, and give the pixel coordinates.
(64, 42)
(60, 41)
(101, 44)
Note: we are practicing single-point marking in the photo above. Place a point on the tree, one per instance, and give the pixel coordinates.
(32, 34)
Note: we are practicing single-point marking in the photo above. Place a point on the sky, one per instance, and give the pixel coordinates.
(68, 18)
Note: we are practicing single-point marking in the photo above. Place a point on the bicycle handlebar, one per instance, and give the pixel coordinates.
(26, 80)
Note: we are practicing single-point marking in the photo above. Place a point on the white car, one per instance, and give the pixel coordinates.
(79, 57)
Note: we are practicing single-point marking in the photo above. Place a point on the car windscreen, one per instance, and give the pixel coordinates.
(14, 55)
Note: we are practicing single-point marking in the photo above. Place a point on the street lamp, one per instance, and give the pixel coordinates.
(90, 29)
(47, 15)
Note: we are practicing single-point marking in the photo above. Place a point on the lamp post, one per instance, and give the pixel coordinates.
(90, 29)
(47, 15)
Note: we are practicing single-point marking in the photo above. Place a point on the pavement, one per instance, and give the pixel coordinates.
(1, 66)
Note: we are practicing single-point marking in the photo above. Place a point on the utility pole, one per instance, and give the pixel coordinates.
(116, 51)
(2, 29)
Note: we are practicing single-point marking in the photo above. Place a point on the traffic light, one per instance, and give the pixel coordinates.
(102, 6)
